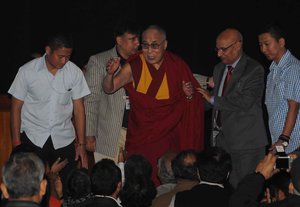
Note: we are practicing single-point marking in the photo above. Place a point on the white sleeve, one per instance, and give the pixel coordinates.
(172, 203)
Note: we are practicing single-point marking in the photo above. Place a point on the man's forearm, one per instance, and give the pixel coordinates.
(16, 121)
(108, 83)
(291, 117)
(79, 116)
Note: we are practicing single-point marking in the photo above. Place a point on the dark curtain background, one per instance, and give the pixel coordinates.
(191, 26)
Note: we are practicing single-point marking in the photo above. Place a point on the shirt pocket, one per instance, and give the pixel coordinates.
(65, 98)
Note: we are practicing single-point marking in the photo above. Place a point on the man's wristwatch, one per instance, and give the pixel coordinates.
(285, 143)
(284, 140)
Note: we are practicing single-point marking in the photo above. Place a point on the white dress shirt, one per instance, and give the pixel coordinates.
(48, 106)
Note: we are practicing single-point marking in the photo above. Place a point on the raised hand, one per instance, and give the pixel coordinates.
(112, 65)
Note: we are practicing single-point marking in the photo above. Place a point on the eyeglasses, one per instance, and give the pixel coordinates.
(152, 45)
(224, 49)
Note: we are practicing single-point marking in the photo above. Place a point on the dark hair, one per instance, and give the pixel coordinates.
(22, 174)
(60, 40)
(279, 181)
(125, 25)
(274, 29)
(214, 165)
(183, 169)
(78, 183)
(105, 177)
(139, 190)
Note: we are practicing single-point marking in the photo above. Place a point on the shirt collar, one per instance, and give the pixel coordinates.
(104, 196)
(282, 61)
(234, 64)
(41, 63)
(214, 184)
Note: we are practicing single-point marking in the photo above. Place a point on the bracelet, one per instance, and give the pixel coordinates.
(284, 138)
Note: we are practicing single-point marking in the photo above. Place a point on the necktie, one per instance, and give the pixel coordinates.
(227, 78)
(229, 70)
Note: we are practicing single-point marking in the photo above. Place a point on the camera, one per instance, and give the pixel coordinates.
(283, 161)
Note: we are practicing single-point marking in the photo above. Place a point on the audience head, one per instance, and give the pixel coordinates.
(106, 178)
(137, 165)
(229, 45)
(214, 165)
(154, 44)
(139, 190)
(78, 183)
(23, 177)
(184, 165)
(278, 185)
(165, 172)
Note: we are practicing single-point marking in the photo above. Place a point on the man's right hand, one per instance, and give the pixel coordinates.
(112, 65)
(90, 143)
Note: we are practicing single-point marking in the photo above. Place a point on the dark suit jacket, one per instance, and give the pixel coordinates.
(103, 202)
(203, 195)
(242, 121)
(21, 203)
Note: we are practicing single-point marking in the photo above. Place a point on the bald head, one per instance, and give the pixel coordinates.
(231, 34)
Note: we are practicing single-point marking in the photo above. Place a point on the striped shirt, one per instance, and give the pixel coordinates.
(283, 84)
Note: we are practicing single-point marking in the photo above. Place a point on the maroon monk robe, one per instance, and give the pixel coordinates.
(155, 126)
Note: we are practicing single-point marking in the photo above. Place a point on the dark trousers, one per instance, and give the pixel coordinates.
(49, 155)
(244, 161)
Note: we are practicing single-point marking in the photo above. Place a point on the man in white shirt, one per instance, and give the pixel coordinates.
(46, 93)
